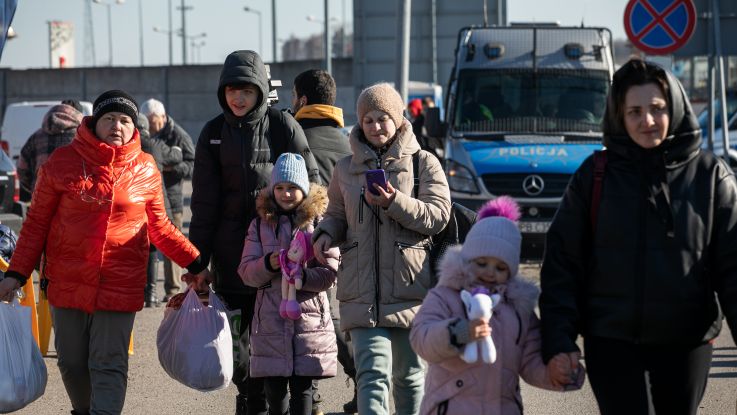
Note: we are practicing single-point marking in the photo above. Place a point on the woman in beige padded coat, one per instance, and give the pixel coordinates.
(384, 240)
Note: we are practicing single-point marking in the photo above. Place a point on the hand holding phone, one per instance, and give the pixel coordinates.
(375, 177)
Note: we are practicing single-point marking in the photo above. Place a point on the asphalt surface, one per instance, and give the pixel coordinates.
(152, 391)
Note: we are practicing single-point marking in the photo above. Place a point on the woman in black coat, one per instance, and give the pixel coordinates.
(641, 282)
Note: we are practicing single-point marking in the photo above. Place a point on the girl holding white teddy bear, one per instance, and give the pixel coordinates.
(487, 261)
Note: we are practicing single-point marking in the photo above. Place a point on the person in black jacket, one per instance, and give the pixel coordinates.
(163, 154)
(233, 160)
(164, 129)
(313, 101)
(639, 283)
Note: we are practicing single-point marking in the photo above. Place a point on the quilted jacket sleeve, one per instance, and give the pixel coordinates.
(320, 277)
(36, 227)
(163, 234)
(206, 194)
(563, 267)
(334, 222)
(725, 246)
(429, 213)
(252, 268)
(298, 144)
(430, 336)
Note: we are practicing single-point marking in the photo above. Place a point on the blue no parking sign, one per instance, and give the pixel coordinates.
(659, 27)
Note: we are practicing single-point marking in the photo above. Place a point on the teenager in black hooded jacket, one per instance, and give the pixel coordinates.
(233, 160)
(640, 285)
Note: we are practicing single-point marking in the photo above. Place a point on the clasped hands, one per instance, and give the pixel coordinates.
(199, 282)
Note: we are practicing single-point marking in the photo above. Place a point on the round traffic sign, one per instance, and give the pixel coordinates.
(659, 27)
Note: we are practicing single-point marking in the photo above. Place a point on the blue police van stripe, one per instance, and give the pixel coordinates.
(504, 157)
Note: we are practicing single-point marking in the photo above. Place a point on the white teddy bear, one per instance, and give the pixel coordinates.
(479, 304)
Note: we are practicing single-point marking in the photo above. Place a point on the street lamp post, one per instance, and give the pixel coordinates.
(109, 26)
(260, 32)
(326, 38)
(192, 41)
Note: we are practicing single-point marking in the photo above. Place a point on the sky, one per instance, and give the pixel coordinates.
(228, 27)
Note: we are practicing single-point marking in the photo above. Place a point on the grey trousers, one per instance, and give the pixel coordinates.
(93, 358)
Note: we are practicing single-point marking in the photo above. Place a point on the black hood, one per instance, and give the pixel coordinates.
(684, 135)
(240, 67)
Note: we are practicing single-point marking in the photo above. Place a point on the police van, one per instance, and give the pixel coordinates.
(523, 110)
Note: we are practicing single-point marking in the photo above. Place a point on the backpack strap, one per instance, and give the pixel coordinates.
(416, 173)
(600, 160)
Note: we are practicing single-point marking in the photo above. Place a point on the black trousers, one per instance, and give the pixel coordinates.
(251, 388)
(296, 401)
(636, 379)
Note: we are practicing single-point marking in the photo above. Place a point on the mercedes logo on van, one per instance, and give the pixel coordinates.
(533, 185)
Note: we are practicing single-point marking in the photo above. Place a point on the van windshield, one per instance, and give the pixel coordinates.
(524, 101)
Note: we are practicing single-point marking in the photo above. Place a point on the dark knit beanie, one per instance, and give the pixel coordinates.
(114, 101)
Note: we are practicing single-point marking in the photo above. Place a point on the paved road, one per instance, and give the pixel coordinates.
(151, 391)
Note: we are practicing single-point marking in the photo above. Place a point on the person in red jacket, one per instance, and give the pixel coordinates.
(96, 205)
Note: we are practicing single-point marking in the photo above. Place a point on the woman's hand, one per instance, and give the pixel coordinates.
(7, 288)
(478, 329)
(199, 282)
(321, 246)
(384, 198)
(563, 368)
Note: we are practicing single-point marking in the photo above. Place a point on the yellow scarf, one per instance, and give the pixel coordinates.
(319, 111)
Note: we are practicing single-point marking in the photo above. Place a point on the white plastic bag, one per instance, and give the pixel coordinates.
(194, 343)
(22, 368)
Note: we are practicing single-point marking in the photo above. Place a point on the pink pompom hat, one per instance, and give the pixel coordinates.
(496, 233)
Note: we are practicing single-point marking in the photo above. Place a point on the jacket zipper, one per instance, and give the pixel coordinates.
(402, 246)
(642, 274)
(377, 266)
(360, 205)
(377, 251)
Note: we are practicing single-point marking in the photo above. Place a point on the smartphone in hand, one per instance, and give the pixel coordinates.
(375, 176)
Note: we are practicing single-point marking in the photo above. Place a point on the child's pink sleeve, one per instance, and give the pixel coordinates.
(533, 370)
(430, 336)
(319, 277)
(252, 268)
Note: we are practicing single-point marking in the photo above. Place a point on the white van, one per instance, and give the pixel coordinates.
(22, 119)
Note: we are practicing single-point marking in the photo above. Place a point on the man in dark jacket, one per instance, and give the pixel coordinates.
(313, 100)
(162, 127)
(233, 160)
(57, 129)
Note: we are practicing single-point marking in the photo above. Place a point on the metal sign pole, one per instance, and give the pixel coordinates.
(710, 61)
(720, 64)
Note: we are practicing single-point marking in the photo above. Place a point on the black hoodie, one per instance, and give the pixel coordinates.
(233, 161)
(665, 242)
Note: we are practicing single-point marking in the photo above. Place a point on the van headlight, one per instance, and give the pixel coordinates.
(460, 178)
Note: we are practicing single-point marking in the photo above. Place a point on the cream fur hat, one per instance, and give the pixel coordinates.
(381, 97)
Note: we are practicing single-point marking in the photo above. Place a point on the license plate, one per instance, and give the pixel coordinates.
(534, 227)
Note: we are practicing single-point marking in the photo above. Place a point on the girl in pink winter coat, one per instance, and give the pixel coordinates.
(489, 258)
(289, 353)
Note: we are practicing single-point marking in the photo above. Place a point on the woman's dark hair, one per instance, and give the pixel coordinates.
(317, 85)
(633, 73)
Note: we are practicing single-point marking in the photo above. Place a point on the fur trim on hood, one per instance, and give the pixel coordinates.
(311, 208)
(521, 293)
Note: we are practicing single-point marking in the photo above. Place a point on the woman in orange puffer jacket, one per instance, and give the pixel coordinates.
(95, 206)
